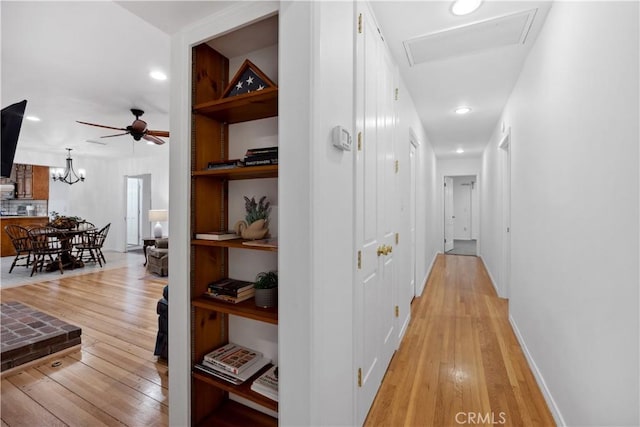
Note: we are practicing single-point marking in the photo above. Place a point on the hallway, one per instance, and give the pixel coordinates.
(460, 362)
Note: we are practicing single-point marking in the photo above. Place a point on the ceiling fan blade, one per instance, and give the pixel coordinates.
(100, 126)
(153, 139)
(163, 133)
(118, 134)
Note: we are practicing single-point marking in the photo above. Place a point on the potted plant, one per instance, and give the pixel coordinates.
(255, 225)
(266, 287)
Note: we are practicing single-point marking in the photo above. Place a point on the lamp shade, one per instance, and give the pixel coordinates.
(158, 215)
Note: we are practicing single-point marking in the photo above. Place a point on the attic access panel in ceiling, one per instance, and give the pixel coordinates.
(493, 33)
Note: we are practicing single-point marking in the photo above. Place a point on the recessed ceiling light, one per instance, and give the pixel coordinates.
(459, 151)
(32, 118)
(158, 75)
(463, 110)
(464, 7)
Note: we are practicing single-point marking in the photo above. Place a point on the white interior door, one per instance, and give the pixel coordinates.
(134, 203)
(505, 145)
(412, 220)
(449, 216)
(375, 209)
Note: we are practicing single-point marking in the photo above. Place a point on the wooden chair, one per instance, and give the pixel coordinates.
(93, 242)
(20, 240)
(47, 242)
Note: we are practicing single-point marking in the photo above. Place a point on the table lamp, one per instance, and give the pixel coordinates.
(158, 215)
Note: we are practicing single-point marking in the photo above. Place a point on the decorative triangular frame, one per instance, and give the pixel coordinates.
(236, 78)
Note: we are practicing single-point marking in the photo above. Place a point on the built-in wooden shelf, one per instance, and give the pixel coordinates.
(233, 414)
(245, 309)
(246, 172)
(235, 243)
(242, 390)
(241, 108)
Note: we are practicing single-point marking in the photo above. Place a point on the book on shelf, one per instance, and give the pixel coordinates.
(225, 164)
(229, 298)
(258, 151)
(229, 286)
(261, 162)
(217, 235)
(230, 377)
(232, 357)
(266, 243)
(267, 384)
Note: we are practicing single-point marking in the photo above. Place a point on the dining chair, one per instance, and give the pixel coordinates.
(47, 242)
(20, 240)
(93, 242)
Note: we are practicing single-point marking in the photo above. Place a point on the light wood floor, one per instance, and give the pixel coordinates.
(459, 358)
(114, 379)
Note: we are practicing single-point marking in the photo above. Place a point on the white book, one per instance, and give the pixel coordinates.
(267, 384)
(217, 235)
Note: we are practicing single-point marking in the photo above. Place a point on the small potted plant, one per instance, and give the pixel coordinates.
(266, 287)
(255, 225)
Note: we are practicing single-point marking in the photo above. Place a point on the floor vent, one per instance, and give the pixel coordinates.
(493, 33)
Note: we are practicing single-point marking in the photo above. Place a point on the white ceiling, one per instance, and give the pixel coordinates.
(482, 80)
(90, 61)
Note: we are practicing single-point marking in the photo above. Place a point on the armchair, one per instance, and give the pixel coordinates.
(158, 258)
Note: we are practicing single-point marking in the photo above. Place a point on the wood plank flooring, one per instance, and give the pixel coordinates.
(460, 362)
(114, 380)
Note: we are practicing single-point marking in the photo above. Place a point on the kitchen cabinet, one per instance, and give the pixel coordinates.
(31, 181)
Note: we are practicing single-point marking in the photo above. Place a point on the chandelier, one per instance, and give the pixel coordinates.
(68, 175)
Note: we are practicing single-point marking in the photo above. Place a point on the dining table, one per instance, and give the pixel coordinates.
(66, 237)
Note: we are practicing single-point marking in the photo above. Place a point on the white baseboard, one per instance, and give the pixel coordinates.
(555, 411)
(493, 282)
(426, 277)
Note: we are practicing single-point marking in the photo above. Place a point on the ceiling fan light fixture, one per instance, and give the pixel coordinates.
(463, 109)
(158, 75)
(459, 151)
(464, 7)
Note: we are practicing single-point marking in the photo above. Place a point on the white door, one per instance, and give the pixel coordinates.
(375, 210)
(134, 197)
(449, 216)
(412, 220)
(505, 145)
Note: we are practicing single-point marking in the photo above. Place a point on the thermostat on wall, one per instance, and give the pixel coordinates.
(341, 138)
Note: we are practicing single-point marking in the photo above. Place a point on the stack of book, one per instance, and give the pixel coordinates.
(233, 363)
(230, 290)
(267, 384)
(261, 156)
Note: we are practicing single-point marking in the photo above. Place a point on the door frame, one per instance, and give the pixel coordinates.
(145, 205)
(477, 187)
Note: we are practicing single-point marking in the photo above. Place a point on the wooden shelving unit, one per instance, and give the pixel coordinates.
(246, 309)
(211, 117)
(247, 172)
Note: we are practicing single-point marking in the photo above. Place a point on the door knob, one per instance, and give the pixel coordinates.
(381, 250)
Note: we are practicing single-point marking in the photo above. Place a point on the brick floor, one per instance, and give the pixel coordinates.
(28, 334)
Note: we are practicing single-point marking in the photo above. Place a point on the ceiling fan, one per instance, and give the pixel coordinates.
(137, 129)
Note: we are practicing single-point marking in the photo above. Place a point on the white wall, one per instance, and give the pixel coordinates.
(574, 304)
(101, 198)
